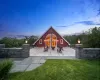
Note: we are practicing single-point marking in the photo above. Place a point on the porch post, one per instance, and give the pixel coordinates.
(50, 41)
(56, 43)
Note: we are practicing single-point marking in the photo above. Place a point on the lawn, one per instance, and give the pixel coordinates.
(62, 70)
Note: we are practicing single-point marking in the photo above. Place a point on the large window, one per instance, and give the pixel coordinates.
(61, 41)
(40, 41)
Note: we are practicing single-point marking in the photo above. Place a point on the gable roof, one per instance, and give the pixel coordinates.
(56, 32)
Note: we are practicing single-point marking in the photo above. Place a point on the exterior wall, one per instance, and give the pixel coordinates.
(87, 53)
(15, 52)
(51, 30)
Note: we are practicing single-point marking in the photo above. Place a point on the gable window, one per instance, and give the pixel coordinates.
(61, 41)
(40, 41)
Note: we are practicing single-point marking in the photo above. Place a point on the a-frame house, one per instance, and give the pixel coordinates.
(51, 38)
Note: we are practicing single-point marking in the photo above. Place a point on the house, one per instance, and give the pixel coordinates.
(51, 38)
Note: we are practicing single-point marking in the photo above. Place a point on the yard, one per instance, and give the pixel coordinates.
(62, 70)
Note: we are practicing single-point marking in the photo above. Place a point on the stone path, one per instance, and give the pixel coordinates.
(31, 63)
(27, 64)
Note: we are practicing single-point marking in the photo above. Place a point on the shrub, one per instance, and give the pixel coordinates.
(93, 38)
(12, 42)
(90, 38)
(5, 67)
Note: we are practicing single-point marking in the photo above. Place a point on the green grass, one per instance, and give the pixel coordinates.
(62, 70)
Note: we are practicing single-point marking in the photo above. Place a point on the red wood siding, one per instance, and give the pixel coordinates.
(51, 30)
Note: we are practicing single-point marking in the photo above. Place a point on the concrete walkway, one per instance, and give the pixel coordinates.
(27, 64)
(31, 63)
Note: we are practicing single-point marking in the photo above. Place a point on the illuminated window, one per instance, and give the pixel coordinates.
(61, 41)
(40, 41)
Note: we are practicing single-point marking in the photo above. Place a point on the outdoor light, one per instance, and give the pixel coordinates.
(79, 41)
(26, 41)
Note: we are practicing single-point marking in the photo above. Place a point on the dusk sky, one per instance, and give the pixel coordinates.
(34, 17)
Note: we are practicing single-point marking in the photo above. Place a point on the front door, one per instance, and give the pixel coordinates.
(51, 40)
(54, 39)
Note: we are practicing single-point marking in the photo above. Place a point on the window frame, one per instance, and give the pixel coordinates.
(61, 41)
(40, 41)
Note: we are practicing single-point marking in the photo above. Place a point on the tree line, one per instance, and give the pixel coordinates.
(90, 38)
(15, 42)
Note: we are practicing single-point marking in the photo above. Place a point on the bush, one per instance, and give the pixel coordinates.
(5, 67)
(93, 38)
(12, 42)
(89, 39)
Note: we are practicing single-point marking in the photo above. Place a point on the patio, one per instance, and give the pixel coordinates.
(67, 51)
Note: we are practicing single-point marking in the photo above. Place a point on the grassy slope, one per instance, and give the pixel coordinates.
(62, 70)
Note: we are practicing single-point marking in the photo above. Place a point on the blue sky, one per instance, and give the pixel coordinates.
(34, 17)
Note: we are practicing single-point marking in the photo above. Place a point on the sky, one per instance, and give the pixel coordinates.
(34, 17)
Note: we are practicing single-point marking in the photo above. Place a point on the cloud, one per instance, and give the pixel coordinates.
(78, 28)
(83, 23)
(88, 23)
(94, 21)
(61, 26)
(98, 12)
(12, 34)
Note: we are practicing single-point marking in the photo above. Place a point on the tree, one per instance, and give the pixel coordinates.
(90, 38)
(32, 39)
(12, 42)
(93, 38)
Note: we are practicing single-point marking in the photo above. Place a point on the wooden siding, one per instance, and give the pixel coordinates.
(51, 30)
